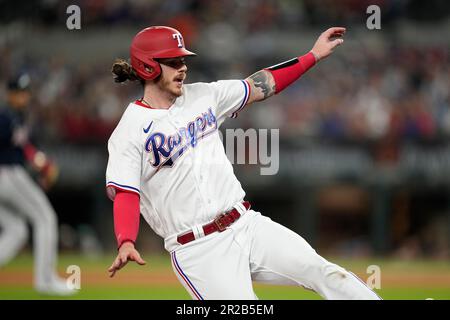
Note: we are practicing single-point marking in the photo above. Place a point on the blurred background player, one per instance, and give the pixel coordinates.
(21, 199)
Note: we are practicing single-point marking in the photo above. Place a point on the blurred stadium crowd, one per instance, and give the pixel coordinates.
(380, 88)
(367, 92)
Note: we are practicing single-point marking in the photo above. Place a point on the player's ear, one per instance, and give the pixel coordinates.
(148, 69)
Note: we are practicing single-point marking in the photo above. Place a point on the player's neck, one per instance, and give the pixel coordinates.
(157, 98)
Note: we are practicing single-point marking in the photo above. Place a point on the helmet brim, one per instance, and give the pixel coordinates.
(173, 53)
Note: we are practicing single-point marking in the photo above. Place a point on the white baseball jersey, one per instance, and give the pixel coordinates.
(175, 160)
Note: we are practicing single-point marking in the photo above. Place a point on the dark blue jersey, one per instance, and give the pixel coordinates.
(10, 122)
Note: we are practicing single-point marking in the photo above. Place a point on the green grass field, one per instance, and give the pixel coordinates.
(399, 280)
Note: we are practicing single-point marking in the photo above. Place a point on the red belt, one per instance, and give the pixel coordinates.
(220, 223)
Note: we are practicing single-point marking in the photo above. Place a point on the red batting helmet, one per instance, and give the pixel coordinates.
(153, 43)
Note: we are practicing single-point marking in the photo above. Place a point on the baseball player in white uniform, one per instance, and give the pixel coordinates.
(167, 162)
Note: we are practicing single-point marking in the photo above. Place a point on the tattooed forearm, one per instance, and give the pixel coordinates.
(264, 80)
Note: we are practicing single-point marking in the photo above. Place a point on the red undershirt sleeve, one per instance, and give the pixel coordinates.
(287, 72)
(126, 216)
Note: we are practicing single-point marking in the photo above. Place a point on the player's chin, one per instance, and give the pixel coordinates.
(177, 90)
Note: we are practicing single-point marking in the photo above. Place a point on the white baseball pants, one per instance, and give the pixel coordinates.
(255, 248)
(21, 200)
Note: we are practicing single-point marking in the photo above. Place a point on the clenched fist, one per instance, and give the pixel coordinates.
(48, 175)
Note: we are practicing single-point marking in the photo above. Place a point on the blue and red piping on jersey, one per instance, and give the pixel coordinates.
(246, 97)
(122, 187)
(139, 103)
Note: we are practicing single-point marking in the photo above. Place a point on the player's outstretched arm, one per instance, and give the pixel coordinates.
(127, 252)
(272, 80)
(262, 86)
(126, 227)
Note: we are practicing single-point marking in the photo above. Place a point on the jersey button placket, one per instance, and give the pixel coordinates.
(198, 176)
(204, 187)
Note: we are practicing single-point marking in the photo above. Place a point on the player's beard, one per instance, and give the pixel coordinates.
(171, 87)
